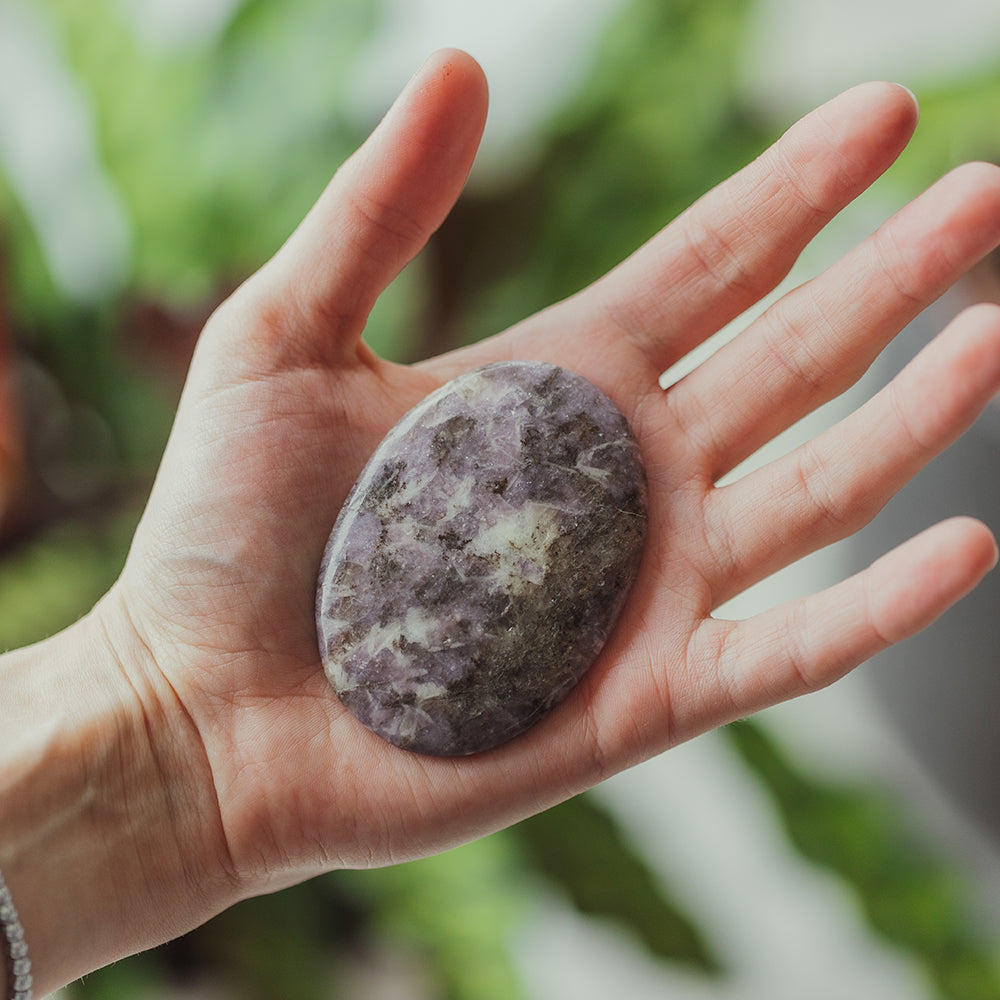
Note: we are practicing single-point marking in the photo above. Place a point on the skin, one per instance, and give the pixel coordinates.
(179, 748)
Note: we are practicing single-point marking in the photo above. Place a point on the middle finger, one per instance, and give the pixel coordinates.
(817, 340)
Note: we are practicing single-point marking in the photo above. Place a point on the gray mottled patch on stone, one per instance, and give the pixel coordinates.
(482, 558)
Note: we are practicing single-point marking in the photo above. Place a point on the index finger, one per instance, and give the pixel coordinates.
(740, 239)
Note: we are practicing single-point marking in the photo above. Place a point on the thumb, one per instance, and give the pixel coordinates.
(378, 211)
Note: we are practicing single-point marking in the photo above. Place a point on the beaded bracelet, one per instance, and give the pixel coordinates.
(17, 950)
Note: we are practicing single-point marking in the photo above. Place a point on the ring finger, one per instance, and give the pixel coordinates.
(833, 485)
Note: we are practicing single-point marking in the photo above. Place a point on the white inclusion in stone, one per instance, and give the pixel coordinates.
(382, 637)
(405, 494)
(414, 553)
(409, 721)
(421, 627)
(584, 467)
(426, 690)
(460, 499)
(517, 546)
(340, 678)
(418, 627)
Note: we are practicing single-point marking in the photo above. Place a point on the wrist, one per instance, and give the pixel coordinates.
(103, 809)
(15, 964)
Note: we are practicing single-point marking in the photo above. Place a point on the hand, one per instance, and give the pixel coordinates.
(285, 403)
(267, 779)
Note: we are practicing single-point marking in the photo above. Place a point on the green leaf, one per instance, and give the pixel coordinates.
(909, 895)
(958, 122)
(216, 151)
(658, 121)
(135, 978)
(580, 848)
(48, 583)
(274, 947)
(457, 911)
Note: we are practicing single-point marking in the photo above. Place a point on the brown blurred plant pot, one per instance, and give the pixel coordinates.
(941, 689)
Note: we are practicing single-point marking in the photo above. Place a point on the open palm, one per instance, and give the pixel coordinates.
(285, 403)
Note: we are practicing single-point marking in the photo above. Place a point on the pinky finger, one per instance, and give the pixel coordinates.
(811, 642)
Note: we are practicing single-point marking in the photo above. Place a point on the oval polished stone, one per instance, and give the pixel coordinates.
(482, 558)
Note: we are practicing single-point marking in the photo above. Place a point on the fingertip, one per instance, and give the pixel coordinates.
(884, 92)
(442, 108)
(982, 316)
(993, 552)
(856, 135)
(978, 326)
(972, 190)
(910, 96)
(454, 74)
(966, 550)
(891, 108)
(934, 570)
(457, 62)
(978, 541)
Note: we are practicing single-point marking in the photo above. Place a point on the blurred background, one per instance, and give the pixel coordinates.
(154, 152)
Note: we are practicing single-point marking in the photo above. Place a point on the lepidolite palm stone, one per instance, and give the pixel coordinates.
(481, 560)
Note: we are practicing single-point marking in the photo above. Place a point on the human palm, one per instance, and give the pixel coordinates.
(285, 403)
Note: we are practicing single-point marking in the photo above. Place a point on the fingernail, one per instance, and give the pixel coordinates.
(913, 97)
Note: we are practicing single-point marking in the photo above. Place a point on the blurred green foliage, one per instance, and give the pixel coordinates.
(958, 123)
(581, 848)
(905, 893)
(657, 123)
(216, 151)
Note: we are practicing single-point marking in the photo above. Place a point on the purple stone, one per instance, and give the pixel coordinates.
(482, 558)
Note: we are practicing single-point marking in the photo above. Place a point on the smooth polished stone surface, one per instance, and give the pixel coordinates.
(481, 560)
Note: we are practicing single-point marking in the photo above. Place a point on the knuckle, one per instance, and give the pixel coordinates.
(916, 437)
(817, 193)
(897, 267)
(790, 347)
(381, 229)
(718, 254)
(826, 505)
(723, 548)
